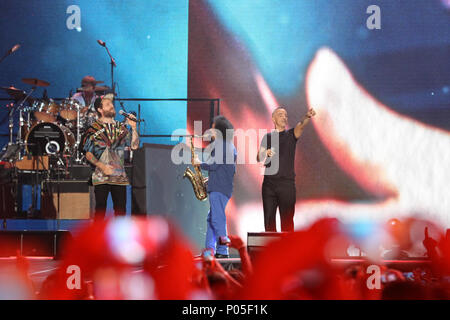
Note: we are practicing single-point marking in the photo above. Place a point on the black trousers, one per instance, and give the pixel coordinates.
(278, 193)
(119, 198)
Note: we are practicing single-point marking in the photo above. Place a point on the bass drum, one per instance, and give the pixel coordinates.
(47, 138)
(26, 127)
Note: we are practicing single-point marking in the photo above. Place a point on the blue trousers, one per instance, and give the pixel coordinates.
(216, 223)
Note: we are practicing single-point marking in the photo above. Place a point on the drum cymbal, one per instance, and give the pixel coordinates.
(35, 82)
(96, 89)
(17, 94)
(102, 88)
(12, 90)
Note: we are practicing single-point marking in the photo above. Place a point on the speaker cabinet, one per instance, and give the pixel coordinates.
(66, 200)
(159, 188)
(33, 163)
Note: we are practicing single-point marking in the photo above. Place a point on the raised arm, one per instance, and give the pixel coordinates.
(238, 244)
(298, 130)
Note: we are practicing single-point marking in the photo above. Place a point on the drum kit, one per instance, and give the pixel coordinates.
(47, 128)
(48, 145)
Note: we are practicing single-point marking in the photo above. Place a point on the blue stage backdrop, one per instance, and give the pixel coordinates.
(148, 39)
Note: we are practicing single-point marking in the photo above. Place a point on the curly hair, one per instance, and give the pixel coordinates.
(224, 125)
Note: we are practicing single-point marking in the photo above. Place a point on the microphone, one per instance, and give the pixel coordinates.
(129, 116)
(15, 48)
(103, 44)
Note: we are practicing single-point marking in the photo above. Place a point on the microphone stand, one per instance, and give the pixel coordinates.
(5, 55)
(113, 64)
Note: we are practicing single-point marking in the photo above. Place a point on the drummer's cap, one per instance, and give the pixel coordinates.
(98, 101)
(88, 80)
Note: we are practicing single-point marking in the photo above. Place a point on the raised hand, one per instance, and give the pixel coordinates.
(270, 152)
(236, 242)
(311, 113)
(131, 123)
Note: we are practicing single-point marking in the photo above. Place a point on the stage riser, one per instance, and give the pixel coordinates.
(257, 241)
(33, 243)
(76, 199)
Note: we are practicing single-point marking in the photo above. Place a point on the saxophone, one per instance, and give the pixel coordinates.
(196, 178)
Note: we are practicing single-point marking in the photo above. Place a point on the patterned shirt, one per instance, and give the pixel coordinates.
(107, 142)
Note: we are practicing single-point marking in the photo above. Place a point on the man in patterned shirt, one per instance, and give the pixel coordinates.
(104, 144)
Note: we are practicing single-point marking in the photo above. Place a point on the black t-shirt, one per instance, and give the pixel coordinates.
(285, 152)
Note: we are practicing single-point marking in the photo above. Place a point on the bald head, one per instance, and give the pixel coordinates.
(276, 109)
(279, 118)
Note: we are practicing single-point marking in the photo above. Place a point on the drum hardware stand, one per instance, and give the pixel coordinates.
(78, 157)
(19, 140)
(59, 162)
(32, 210)
(11, 125)
(34, 193)
(9, 152)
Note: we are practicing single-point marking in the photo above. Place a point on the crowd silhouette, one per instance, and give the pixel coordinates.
(149, 258)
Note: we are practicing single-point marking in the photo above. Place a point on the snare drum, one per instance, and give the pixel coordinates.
(45, 111)
(49, 138)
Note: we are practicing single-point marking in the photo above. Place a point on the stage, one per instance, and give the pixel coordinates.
(217, 149)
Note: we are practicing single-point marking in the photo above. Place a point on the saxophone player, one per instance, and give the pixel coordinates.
(221, 167)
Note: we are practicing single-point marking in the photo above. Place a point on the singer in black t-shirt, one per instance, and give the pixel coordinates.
(277, 150)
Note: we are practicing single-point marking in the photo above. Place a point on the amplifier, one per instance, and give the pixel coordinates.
(74, 200)
(33, 163)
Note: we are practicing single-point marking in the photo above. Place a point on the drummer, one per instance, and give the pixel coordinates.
(86, 96)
